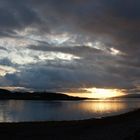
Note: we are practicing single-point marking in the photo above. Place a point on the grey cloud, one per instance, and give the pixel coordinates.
(115, 23)
(2, 48)
(16, 15)
(119, 20)
(58, 76)
(6, 62)
(82, 51)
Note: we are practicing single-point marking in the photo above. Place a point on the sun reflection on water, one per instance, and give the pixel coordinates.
(103, 106)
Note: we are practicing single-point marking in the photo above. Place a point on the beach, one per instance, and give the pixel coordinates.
(121, 127)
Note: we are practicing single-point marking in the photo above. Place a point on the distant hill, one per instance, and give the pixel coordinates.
(5, 95)
(128, 96)
(4, 91)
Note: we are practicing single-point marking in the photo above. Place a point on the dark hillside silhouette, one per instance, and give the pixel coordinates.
(5, 94)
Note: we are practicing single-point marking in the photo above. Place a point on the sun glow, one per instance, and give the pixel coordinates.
(105, 93)
(98, 93)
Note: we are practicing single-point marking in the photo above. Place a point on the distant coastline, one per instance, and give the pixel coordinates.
(6, 95)
(19, 95)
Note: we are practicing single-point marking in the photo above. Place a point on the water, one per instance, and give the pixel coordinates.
(20, 111)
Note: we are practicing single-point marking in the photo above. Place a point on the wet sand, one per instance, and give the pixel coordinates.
(121, 127)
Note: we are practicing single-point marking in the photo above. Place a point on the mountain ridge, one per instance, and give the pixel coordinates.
(6, 95)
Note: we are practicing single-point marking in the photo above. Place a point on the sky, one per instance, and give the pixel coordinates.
(70, 45)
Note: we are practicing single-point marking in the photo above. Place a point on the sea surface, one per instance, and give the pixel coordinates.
(21, 110)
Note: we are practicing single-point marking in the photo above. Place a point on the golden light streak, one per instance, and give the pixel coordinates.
(98, 93)
(114, 51)
(6, 69)
(105, 93)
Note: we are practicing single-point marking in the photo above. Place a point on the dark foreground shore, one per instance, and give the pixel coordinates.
(121, 127)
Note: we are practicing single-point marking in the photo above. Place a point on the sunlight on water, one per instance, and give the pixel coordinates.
(103, 107)
(16, 111)
(8, 108)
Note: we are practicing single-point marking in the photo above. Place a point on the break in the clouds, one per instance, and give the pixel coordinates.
(63, 45)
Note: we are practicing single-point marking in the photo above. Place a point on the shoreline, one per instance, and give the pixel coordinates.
(120, 127)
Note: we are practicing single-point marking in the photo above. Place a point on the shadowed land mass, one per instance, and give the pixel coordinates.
(18, 95)
(5, 95)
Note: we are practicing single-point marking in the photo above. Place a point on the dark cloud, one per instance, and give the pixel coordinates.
(118, 20)
(128, 9)
(113, 23)
(2, 48)
(16, 15)
(81, 74)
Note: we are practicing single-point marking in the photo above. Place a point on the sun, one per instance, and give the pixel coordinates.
(105, 93)
(98, 93)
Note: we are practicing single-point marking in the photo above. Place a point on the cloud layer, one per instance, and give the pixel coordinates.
(61, 45)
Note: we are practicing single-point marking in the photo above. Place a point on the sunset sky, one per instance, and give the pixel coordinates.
(70, 45)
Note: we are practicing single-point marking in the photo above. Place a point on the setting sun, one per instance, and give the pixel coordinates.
(100, 93)
(105, 93)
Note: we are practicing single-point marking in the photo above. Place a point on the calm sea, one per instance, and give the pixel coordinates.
(20, 111)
